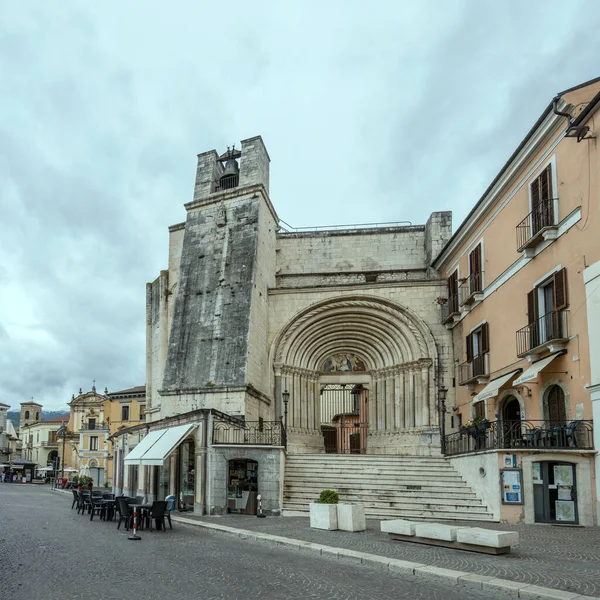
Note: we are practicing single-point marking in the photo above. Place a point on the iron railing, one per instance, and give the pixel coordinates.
(255, 433)
(511, 435)
(471, 285)
(551, 327)
(49, 443)
(450, 308)
(472, 369)
(227, 183)
(287, 228)
(535, 222)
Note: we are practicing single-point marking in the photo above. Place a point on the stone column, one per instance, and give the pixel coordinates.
(389, 403)
(425, 395)
(399, 399)
(278, 398)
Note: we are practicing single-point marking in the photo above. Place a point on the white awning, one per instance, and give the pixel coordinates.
(493, 387)
(157, 445)
(536, 367)
(133, 458)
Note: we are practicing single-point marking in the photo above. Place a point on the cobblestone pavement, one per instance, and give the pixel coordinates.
(48, 551)
(561, 557)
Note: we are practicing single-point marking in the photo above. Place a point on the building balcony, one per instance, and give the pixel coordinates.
(49, 444)
(474, 371)
(471, 289)
(251, 433)
(521, 435)
(548, 333)
(538, 226)
(450, 310)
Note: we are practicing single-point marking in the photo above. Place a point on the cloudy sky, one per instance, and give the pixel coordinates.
(371, 112)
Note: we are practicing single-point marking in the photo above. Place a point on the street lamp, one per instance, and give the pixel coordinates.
(286, 399)
(442, 409)
(62, 432)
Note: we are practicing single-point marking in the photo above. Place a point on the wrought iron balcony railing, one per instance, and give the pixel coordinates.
(255, 433)
(470, 288)
(511, 435)
(531, 229)
(471, 370)
(548, 329)
(49, 443)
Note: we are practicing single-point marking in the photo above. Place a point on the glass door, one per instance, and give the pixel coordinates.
(555, 493)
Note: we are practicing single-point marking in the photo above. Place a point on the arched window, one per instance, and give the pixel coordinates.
(27, 414)
(557, 414)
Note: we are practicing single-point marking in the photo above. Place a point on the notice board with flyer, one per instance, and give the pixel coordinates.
(511, 483)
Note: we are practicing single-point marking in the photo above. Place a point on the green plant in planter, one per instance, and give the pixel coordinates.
(329, 497)
(106, 484)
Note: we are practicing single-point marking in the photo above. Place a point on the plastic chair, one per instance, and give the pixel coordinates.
(158, 513)
(96, 506)
(75, 498)
(570, 433)
(125, 513)
(170, 500)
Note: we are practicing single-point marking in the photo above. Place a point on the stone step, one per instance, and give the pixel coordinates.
(289, 510)
(383, 494)
(375, 469)
(383, 479)
(410, 503)
(365, 462)
(409, 487)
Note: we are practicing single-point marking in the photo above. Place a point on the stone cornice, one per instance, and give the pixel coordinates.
(232, 194)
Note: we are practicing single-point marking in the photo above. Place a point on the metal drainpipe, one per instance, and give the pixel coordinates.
(561, 113)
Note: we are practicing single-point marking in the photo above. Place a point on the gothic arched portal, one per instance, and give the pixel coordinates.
(365, 341)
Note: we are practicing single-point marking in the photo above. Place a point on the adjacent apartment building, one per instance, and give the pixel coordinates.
(523, 276)
(94, 418)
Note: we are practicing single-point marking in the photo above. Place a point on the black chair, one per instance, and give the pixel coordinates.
(75, 498)
(170, 500)
(158, 513)
(84, 502)
(125, 513)
(570, 431)
(96, 506)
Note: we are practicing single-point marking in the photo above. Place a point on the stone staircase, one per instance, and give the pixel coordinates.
(410, 487)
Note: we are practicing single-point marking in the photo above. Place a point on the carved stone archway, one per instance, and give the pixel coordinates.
(370, 340)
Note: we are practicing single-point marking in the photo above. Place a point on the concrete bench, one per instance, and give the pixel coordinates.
(473, 539)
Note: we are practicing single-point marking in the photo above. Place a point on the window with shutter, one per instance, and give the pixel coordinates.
(479, 410)
(560, 290)
(469, 343)
(475, 270)
(453, 292)
(485, 338)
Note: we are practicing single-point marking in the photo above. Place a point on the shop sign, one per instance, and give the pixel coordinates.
(511, 482)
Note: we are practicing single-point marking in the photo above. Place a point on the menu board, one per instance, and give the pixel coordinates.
(512, 487)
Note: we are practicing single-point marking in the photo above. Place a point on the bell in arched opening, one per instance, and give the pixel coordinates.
(231, 172)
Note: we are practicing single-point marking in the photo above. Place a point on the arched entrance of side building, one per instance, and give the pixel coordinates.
(510, 418)
(359, 372)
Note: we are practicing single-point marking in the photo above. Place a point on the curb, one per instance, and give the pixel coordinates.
(446, 576)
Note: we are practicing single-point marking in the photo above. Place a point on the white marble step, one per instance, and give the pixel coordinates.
(388, 486)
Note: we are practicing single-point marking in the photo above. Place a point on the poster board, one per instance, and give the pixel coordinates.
(511, 486)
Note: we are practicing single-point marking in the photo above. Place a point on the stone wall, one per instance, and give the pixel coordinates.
(271, 462)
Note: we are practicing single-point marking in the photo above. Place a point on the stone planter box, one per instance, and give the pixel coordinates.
(351, 517)
(323, 516)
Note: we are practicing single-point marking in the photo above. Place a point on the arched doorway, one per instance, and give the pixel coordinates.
(511, 421)
(350, 341)
(556, 412)
(344, 418)
(53, 459)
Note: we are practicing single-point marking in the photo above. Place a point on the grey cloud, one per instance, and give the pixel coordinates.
(368, 116)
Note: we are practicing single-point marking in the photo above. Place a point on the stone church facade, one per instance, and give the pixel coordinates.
(333, 331)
